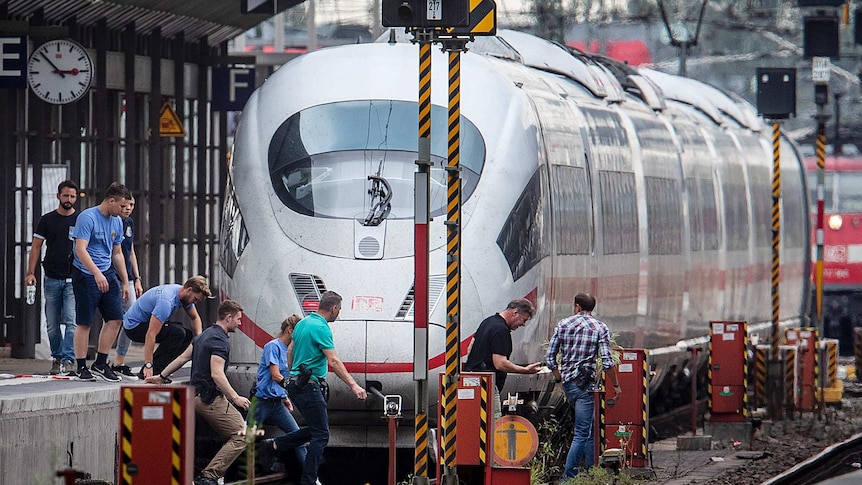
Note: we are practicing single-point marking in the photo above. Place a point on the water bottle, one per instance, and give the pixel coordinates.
(31, 294)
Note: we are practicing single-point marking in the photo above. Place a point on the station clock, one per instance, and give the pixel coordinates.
(60, 71)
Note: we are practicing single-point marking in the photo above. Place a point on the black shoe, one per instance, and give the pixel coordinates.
(84, 374)
(199, 480)
(104, 371)
(124, 372)
(269, 455)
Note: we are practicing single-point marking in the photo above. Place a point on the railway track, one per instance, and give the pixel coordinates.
(831, 462)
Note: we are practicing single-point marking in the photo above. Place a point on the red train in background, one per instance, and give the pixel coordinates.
(842, 237)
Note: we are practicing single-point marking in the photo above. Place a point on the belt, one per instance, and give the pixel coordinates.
(317, 380)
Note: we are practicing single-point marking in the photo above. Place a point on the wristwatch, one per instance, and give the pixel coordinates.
(148, 365)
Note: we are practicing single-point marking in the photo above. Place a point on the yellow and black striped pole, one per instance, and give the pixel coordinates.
(126, 438)
(819, 235)
(776, 237)
(453, 263)
(422, 182)
(774, 380)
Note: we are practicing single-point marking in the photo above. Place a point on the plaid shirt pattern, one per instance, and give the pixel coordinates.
(578, 339)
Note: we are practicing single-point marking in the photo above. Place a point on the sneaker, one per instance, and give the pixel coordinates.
(84, 374)
(55, 367)
(269, 456)
(67, 366)
(200, 480)
(125, 372)
(104, 371)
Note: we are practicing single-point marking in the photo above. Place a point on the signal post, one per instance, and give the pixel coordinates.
(428, 21)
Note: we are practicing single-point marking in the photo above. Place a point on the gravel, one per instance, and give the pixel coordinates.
(785, 443)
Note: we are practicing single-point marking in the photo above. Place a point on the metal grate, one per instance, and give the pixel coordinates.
(307, 289)
(369, 247)
(436, 285)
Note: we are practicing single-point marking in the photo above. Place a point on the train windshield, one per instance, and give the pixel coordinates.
(842, 191)
(320, 159)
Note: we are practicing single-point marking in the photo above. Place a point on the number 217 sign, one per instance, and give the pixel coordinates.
(435, 10)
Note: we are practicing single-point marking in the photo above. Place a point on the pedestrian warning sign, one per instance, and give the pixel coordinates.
(169, 122)
(515, 441)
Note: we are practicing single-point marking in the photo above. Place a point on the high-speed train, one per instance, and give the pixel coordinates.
(650, 191)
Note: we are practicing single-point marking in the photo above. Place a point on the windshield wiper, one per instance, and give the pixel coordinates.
(381, 195)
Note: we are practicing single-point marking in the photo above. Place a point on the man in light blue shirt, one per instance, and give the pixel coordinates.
(147, 322)
(99, 279)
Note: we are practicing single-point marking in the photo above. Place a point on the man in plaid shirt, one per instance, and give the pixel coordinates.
(578, 340)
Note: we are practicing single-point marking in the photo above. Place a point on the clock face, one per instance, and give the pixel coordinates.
(60, 71)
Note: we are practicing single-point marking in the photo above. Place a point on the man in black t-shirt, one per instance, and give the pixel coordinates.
(210, 356)
(492, 345)
(55, 230)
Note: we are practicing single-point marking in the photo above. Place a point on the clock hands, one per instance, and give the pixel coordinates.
(56, 69)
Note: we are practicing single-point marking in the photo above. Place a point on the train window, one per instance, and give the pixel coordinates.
(234, 236)
(664, 215)
(736, 220)
(320, 158)
(524, 239)
(573, 210)
(710, 215)
(619, 213)
(849, 192)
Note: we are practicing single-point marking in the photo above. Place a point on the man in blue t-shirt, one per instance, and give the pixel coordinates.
(99, 279)
(313, 350)
(55, 229)
(136, 289)
(147, 322)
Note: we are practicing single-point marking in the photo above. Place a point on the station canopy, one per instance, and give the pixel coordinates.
(217, 20)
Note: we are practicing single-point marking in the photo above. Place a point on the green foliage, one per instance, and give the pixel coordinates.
(601, 476)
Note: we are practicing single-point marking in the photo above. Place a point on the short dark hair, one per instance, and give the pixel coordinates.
(522, 305)
(328, 300)
(586, 301)
(118, 191)
(228, 307)
(67, 184)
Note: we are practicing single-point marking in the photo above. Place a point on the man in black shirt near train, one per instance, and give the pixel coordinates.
(55, 230)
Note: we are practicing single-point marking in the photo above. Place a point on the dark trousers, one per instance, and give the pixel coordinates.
(173, 339)
(309, 401)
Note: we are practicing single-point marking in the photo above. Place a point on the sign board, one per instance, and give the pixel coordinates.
(169, 122)
(515, 441)
(483, 20)
(13, 62)
(232, 86)
(821, 68)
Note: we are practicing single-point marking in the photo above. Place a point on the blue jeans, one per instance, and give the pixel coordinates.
(272, 411)
(60, 309)
(309, 401)
(123, 340)
(581, 402)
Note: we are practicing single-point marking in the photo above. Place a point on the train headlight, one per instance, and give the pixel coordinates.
(835, 222)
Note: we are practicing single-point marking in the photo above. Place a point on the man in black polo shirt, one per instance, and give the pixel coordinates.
(209, 353)
(492, 346)
(55, 230)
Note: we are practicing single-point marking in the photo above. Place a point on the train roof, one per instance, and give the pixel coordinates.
(611, 80)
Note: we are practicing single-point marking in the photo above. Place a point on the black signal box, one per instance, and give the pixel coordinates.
(417, 14)
(819, 3)
(820, 37)
(776, 92)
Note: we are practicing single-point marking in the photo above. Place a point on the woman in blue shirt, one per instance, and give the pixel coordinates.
(273, 406)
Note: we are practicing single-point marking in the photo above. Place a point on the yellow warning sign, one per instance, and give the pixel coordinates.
(515, 441)
(483, 19)
(169, 122)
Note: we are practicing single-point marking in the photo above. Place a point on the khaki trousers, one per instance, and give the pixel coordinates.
(226, 421)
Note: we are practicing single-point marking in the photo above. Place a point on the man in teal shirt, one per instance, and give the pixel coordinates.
(313, 354)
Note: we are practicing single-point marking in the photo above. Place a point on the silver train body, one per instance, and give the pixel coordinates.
(651, 191)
